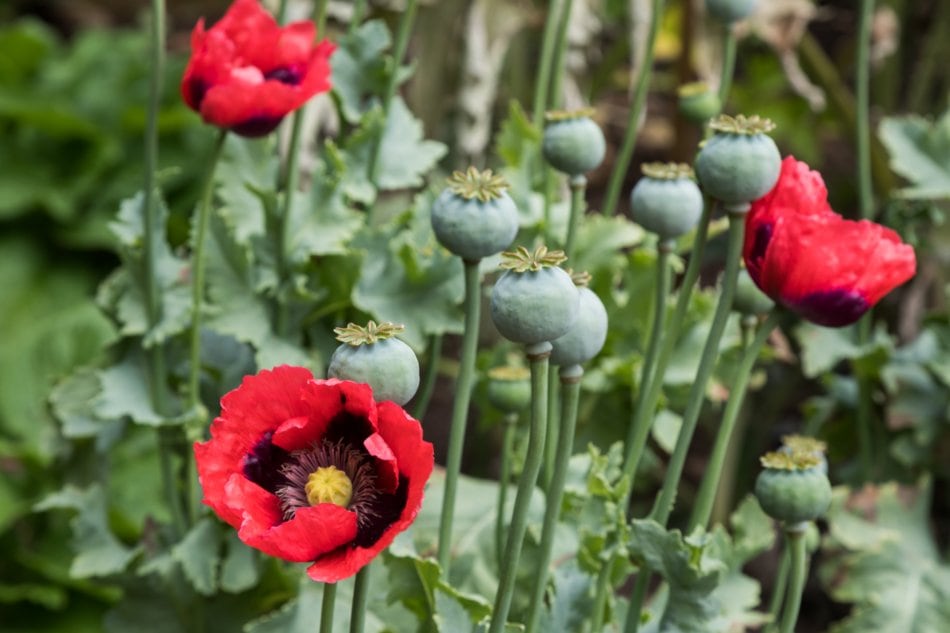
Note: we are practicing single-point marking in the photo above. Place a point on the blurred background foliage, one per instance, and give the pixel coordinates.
(72, 112)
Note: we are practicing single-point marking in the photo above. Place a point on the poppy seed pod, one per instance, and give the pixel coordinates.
(371, 355)
(666, 201)
(474, 217)
(573, 143)
(791, 488)
(729, 11)
(740, 163)
(586, 337)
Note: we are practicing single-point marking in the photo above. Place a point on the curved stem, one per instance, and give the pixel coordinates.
(622, 161)
(550, 439)
(538, 356)
(289, 182)
(639, 428)
(650, 390)
(728, 64)
(432, 374)
(702, 507)
(600, 599)
(326, 609)
(360, 596)
(570, 395)
(504, 477)
(198, 275)
(463, 394)
(796, 585)
(560, 55)
(674, 470)
(578, 189)
(399, 51)
(781, 582)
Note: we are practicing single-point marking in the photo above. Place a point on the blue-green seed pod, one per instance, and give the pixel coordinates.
(586, 337)
(534, 301)
(791, 488)
(474, 217)
(509, 388)
(698, 102)
(666, 201)
(573, 143)
(749, 300)
(729, 11)
(740, 163)
(369, 355)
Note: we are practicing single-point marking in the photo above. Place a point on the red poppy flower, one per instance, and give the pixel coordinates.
(814, 262)
(314, 470)
(246, 72)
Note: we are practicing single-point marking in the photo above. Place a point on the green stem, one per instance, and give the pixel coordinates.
(781, 582)
(281, 16)
(702, 507)
(570, 395)
(504, 478)
(326, 609)
(360, 596)
(359, 10)
(289, 182)
(866, 205)
(600, 598)
(664, 503)
(622, 161)
(550, 440)
(928, 60)
(320, 17)
(432, 374)
(796, 585)
(539, 104)
(198, 276)
(637, 597)
(538, 356)
(728, 63)
(560, 55)
(863, 131)
(154, 233)
(578, 189)
(463, 394)
(402, 43)
(651, 388)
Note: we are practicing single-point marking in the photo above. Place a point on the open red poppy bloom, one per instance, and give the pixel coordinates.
(314, 470)
(814, 262)
(246, 72)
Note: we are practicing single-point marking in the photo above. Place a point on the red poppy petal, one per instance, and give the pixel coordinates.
(214, 470)
(312, 532)
(324, 401)
(415, 459)
(387, 471)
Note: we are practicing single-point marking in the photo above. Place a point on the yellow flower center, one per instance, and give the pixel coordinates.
(329, 484)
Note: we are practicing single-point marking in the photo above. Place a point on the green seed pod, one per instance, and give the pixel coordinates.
(370, 355)
(534, 301)
(474, 217)
(586, 337)
(509, 388)
(729, 11)
(740, 163)
(804, 444)
(697, 102)
(573, 143)
(666, 201)
(749, 300)
(791, 488)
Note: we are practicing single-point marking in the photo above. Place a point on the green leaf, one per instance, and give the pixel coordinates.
(125, 393)
(884, 561)
(198, 555)
(517, 138)
(920, 152)
(321, 223)
(240, 569)
(404, 279)
(572, 602)
(666, 429)
(98, 551)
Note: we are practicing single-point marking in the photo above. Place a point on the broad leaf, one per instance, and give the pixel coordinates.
(885, 562)
(920, 152)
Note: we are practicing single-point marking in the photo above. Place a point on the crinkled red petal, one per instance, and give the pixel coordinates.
(415, 458)
(324, 401)
(260, 404)
(313, 531)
